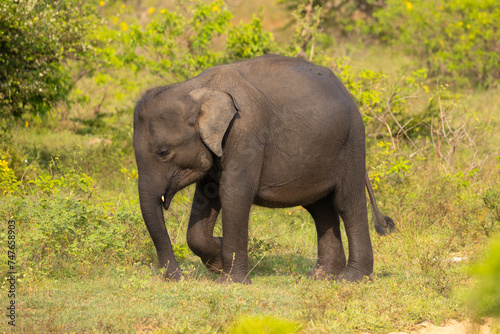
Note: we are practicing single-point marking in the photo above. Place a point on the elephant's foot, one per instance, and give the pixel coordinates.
(213, 258)
(321, 273)
(175, 275)
(353, 275)
(214, 265)
(227, 279)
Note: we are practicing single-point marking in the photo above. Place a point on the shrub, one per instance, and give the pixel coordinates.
(455, 39)
(65, 235)
(491, 198)
(249, 40)
(36, 39)
(8, 180)
(343, 17)
(487, 295)
(386, 104)
(175, 45)
(179, 43)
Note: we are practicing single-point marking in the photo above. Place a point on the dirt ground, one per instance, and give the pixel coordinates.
(455, 327)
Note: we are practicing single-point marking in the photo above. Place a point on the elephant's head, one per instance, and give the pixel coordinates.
(177, 132)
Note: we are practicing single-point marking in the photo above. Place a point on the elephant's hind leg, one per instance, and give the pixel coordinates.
(331, 257)
(351, 203)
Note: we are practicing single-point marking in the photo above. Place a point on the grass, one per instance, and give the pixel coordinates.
(413, 282)
(199, 306)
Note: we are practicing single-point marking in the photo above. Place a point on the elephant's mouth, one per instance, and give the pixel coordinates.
(166, 199)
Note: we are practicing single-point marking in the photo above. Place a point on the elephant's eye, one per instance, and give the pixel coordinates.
(163, 152)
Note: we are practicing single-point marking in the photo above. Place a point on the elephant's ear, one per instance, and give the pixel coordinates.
(216, 112)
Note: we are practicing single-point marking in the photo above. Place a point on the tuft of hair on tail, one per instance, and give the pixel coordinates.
(383, 225)
(389, 227)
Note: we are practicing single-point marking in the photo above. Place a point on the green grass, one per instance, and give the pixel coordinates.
(200, 306)
(133, 298)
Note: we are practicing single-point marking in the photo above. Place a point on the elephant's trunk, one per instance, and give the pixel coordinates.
(152, 212)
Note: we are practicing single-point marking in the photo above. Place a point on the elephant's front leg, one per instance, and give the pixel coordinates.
(204, 212)
(238, 186)
(235, 215)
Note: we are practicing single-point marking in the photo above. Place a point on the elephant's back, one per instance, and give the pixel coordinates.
(312, 90)
(303, 97)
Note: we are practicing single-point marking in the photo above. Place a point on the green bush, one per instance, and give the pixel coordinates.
(387, 105)
(8, 180)
(491, 198)
(486, 298)
(249, 40)
(64, 235)
(175, 45)
(37, 38)
(455, 39)
(343, 18)
(65, 225)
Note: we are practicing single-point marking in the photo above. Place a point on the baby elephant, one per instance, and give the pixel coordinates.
(272, 131)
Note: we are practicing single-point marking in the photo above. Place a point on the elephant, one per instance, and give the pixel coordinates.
(273, 131)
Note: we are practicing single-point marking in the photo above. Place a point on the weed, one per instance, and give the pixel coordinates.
(491, 198)
(8, 180)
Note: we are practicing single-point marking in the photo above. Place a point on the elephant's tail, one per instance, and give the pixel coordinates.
(383, 224)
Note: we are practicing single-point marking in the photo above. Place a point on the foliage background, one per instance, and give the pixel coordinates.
(424, 74)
